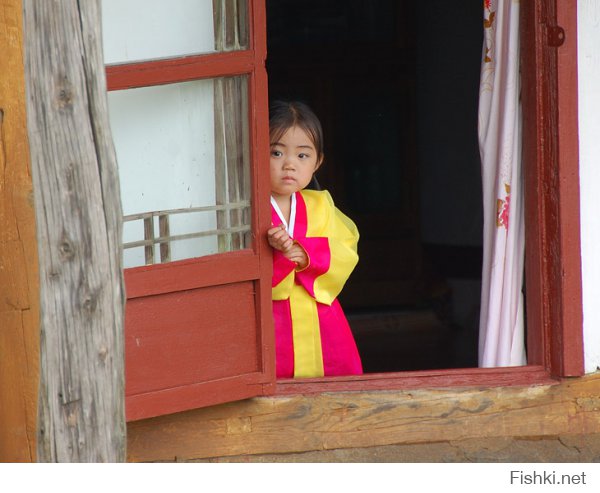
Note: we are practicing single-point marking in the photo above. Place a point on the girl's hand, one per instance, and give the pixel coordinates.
(298, 255)
(279, 239)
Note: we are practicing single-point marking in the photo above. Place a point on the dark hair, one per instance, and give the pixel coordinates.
(284, 115)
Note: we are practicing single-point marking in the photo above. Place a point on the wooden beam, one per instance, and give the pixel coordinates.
(275, 425)
(551, 173)
(19, 285)
(569, 328)
(78, 213)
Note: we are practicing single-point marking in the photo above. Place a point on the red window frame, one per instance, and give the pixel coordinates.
(553, 265)
(250, 269)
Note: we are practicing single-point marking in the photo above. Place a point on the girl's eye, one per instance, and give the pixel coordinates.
(276, 153)
(303, 156)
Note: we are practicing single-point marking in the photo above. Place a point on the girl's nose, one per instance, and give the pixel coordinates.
(288, 163)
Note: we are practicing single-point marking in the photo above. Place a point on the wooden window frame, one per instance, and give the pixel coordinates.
(553, 266)
(223, 269)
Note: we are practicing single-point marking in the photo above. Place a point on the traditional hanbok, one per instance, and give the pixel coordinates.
(312, 335)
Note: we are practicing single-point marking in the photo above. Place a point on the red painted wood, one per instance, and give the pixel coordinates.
(165, 71)
(570, 361)
(193, 273)
(194, 396)
(262, 186)
(550, 153)
(533, 155)
(187, 337)
(200, 331)
(435, 379)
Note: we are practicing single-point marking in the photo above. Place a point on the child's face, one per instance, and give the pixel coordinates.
(293, 162)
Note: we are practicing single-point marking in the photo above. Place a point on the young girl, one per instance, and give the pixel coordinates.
(314, 252)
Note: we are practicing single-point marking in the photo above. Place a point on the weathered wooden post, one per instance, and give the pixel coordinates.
(78, 210)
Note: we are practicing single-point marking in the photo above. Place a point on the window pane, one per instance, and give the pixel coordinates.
(136, 30)
(183, 157)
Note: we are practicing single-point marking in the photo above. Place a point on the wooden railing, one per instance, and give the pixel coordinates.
(164, 237)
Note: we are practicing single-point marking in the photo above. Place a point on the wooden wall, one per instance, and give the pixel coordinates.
(301, 423)
(19, 303)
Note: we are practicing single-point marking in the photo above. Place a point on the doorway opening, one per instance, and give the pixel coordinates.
(395, 84)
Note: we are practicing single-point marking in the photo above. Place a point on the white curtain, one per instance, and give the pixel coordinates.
(501, 332)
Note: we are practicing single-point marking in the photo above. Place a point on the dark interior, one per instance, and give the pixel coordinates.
(396, 84)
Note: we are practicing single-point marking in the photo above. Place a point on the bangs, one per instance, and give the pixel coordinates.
(284, 116)
(275, 133)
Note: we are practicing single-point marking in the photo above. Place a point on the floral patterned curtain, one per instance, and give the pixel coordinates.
(501, 333)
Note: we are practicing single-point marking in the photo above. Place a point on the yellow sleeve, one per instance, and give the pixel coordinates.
(331, 243)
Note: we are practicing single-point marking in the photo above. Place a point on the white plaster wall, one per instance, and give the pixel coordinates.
(588, 18)
(165, 144)
(164, 135)
(145, 29)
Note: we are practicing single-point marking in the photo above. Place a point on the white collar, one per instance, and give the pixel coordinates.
(288, 227)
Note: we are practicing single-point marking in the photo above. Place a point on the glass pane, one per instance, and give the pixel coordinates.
(183, 155)
(136, 30)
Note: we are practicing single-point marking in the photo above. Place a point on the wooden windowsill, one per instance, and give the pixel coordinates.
(451, 378)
